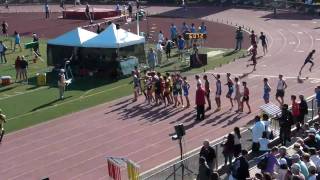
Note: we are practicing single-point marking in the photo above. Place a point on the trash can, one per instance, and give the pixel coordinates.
(41, 79)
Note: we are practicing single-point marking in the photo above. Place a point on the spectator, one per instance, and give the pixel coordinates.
(313, 173)
(283, 155)
(265, 120)
(297, 148)
(46, 10)
(282, 171)
(296, 172)
(272, 161)
(136, 86)
(159, 52)
(173, 33)
(61, 83)
(36, 47)
(302, 166)
(314, 157)
(17, 41)
(237, 142)
(152, 58)
(168, 47)
(88, 13)
(160, 37)
(241, 167)
(130, 10)
(208, 153)
(306, 160)
(295, 111)
(24, 69)
(317, 91)
(204, 170)
(200, 102)
(18, 68)
(257, 130)
(303, 106)
(285, 122)
(4, 26)
(181, 46)
(239, 38)
(228, 149)
(3, 49)
(310, 141)
(264, 143)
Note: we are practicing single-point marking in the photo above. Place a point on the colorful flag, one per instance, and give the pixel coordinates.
(114, 170)
(133, 170)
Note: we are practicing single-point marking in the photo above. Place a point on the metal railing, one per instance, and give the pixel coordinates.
(173, 172)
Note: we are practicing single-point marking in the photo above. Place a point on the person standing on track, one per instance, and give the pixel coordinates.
(2, 121)
(239, 38)
(46, 10)
(207, 89)
(282, 85)
(308, 60)
(230, 89)
(88, 13)
(253, 38)
(200, 102)
(185, 88)
(237, 95)
(218, 91)
(253, 57)
(264, 41)
(245, 97)
(4, 26)
(266, 90)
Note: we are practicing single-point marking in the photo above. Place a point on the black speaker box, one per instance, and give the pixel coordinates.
(180, 131)
(203, 60)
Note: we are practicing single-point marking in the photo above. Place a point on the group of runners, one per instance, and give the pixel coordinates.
(253, 48)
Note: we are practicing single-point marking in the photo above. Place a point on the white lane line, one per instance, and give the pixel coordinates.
(26, 92)
(65, 102)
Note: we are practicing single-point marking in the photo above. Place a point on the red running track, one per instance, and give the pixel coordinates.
(74, 146)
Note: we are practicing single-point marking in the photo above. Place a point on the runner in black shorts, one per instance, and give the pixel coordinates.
(207, 89)
(308, 60)
(264, 43)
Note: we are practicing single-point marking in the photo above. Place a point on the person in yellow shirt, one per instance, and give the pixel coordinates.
(2, 121)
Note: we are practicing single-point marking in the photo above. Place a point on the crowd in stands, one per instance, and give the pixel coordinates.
(300, 162)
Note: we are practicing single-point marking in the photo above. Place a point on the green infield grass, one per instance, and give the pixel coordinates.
(27, 104)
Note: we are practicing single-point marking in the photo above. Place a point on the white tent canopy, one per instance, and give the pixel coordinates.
(114, 38)
(74, 38)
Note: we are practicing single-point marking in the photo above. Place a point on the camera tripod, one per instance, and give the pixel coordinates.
(182, 166)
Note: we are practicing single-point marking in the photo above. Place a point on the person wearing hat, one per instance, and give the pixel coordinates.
(296, 171)
(2, 121)
(302, 166)
(282, 171)
(62, 83)
(285, 122)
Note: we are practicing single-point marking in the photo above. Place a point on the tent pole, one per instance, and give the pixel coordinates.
(137, 14)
